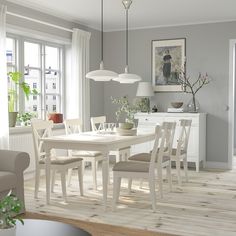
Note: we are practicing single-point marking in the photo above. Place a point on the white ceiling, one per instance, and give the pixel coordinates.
(143, 13)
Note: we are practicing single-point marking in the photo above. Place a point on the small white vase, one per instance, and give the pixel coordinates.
(8, 232)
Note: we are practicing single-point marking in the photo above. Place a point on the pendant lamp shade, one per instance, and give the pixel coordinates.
(127, 78)
(101, 74)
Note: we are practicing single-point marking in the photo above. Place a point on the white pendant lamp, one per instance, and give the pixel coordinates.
(101, 74)
(127, 78)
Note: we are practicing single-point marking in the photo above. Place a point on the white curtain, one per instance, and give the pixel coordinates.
(78, 89)
(4, 130)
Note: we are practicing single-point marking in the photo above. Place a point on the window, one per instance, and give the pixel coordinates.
(41, 64)
(34, 85)
(35, 107)
(54, 108)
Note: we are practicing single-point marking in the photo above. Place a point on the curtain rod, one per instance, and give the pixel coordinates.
(39, 21)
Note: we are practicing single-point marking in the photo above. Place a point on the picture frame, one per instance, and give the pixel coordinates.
(168, 56)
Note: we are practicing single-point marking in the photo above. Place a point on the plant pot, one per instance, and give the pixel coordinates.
(56, 117)
(8, 232)
(12, 118)
(126, 125)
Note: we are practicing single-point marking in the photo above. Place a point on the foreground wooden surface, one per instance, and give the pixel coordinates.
(96, 229)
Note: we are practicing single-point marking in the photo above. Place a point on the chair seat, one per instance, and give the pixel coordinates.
(86, 153)
(8, 180)
(174, 151)
(61, 160)
(131, 166)
(146, 157)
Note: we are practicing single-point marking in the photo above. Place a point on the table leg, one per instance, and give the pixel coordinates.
(105, 166)
(48, 172)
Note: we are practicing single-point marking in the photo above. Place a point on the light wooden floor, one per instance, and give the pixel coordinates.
(205, 206)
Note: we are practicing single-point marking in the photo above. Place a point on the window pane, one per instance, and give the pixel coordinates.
(10, 50)
(33, 104)
(52, 82)
(52, 57)
(52, 103)
(32, 54)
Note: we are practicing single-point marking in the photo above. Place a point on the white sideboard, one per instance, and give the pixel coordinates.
(197, 140)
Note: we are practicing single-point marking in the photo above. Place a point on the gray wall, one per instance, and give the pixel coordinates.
(207, 49)
(96, 90)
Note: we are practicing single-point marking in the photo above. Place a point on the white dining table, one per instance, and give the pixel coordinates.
(92, 141)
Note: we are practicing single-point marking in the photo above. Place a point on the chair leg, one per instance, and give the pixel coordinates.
(129, 185)
(94, 171)
(185, 168)
(53, 180)
(80, 175)
(178, 171)
(37, 180)
(63, 185)
(69, 177)
(152, 192)
(160, 181)
(169, 176)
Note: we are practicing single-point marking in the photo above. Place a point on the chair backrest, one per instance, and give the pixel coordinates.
(40, 129)
(97, 122)
(184, 135)
(163, 143)
(73, 126)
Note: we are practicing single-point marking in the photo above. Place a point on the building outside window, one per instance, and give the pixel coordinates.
(41, 64)
(35, 108)
(54, 108)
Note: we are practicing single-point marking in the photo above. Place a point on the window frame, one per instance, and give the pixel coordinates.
(19, 66)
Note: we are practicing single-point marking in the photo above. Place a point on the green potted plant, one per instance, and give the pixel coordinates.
(15, 78)
(126, 108)
(10, 207)
(25, 118)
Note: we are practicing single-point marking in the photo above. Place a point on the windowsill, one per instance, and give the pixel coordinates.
(27, 129)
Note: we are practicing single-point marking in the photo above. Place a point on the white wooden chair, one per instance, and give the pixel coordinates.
(180, 153)
(42, 129)
(75, 126)
(168, 129)
(143, 170)
(97, 123)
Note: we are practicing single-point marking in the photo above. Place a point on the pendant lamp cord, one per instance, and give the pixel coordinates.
(127, 36)
(102, 30)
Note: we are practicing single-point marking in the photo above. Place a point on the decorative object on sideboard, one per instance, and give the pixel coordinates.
(145, 90)
(15, 84)
(10, 206)
(154, 109)
(126, 108)
(127, 78)
(101, 74)
(176, 107)
(176, 104)
(192, 87)
(167, 56)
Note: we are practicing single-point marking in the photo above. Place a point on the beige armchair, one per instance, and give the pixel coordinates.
(12, 166)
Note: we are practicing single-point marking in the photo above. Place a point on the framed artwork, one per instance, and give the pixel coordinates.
(168, 56)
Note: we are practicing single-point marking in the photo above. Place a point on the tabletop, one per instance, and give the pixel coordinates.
(47, 228)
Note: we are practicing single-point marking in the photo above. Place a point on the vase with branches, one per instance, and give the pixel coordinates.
(192, 87)
(127, 108)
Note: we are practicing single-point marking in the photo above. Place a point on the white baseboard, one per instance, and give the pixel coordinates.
(216, 165)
